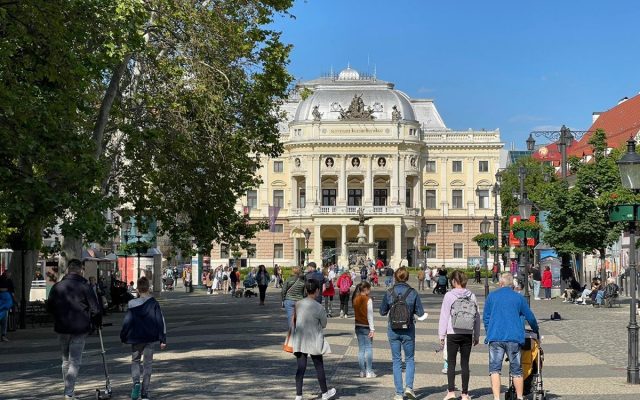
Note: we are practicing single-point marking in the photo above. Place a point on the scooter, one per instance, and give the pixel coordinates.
(104, 394)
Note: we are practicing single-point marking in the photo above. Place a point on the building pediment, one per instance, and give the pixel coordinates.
(431, 182)
(456, 182)
(278, 183)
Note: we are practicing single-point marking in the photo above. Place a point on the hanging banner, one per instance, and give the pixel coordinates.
(273, 216)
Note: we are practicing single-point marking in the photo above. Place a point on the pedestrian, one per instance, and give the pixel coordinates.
(208, 281)
(225, 280)
(74, 307)
(233, 278)
(292, 292)
(495, 273)
(365, 329)
(547, 282)
(363, 273)
(477, 271)
(421, 278)
(308, 339)
(344, 288)
(502, 317)
(460, 327)
(97, 292)
(427, 276)
(313, 273)
(217, 280)
(401, 302)
(6, 303)
(566, 274)
(142, 327)
(188, 279)
(277, 278)
(328, 292)
(388, 272)
(263, 279)
(536, 277)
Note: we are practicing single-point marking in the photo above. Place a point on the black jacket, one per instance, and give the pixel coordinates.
(73, 305)
(143, 322)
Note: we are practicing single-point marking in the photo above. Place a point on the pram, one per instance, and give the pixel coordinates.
(168, 283)
(250, 283)
(532, 358)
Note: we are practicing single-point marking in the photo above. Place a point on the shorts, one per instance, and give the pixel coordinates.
(497, 351)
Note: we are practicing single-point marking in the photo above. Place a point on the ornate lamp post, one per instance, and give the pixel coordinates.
(524, 209)
(425, 233)
(496, 191)
(307, 235)
(629, 166)
(485, 244)
(138, 236)
(565, 139)
(126, 227)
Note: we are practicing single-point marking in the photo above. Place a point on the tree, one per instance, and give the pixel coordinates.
(163, 109)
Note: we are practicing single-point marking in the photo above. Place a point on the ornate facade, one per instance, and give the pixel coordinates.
(353, 142)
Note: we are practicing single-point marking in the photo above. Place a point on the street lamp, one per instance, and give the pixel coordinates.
(524, 208)
(307, 235)
(126, 227)
(484, 228)
(496, 190)
(629, 166)
(425, 233)
(138, 236)
(565, 139)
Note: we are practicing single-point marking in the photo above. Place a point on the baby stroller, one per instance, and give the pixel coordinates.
(532, 358)
(168, 283)
(441, 285)
(250, 283)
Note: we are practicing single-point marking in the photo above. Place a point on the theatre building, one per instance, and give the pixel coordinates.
(353, 141)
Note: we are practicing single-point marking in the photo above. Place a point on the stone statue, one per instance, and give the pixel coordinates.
(396, 115)
(357, 110)
(361, 218)
(317, 115)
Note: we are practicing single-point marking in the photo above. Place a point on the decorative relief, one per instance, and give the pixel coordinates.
(396, 115)
(377, 107)
(329, 162)
(413, 161)
(317, 115)
(297, 162)
(357, 110)
(355, 162)
(335, 107)
(382, 162)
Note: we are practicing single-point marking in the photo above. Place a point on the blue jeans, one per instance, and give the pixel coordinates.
(290, 308)
(72, 347)
(599, 297)
(402, 339)
(536, 289)
(365, 349)
(141, 365)
(497, 351)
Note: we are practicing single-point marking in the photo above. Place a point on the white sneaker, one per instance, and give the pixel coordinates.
(362, 374)
(341, 314)
(538, 298)
(298, 397)
(398, 397)
(409, 393)
(371, 374)
(329, 394)
(445, 370)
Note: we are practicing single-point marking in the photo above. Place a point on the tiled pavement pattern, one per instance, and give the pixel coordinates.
(225, 348)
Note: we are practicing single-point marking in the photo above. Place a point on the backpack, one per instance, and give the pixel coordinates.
(399, 314)
(463, 314)
(442, 280)
(344, 284)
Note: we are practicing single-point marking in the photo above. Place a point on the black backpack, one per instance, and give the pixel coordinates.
(399, 314)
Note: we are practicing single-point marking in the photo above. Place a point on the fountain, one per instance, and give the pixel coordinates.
(361, 246)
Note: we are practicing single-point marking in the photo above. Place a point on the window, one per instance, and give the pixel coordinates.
(224, 251)
(297, 132)
(278, 166)
(456, 198)
(457, 166)
(483, 166)
(432, 228)
(433, 250)
(379, 197)
(430, 199)
(483, 198)
(328, 197)
(278, 228)
(278, 198)
(412, 131)
(302, 198)
(251, 251)
(278, 250)
(355, 197)
(408, 198)
(252, 199)
(457, 228)
(458, 250)
(431, 165)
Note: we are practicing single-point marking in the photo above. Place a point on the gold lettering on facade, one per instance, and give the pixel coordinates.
(355, 130)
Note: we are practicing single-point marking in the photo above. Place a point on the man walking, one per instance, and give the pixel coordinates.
(313, 273)
(502, 319)
(74, 307)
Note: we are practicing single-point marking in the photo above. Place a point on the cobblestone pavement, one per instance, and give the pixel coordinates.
(226, 348)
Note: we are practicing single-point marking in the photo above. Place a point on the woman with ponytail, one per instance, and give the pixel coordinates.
(363, 310)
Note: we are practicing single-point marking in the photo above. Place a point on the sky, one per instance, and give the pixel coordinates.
(513, 65)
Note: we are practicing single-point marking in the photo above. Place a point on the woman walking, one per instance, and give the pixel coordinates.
(277, 276)
(263, 279)
(328, 292)
(308, 339)
(402, 334)
(344, 286)
(363, 310)
(458, 313)
(292, 292)
(208, 281)
(547, 281)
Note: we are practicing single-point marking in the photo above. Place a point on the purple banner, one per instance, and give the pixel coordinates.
(273, 216)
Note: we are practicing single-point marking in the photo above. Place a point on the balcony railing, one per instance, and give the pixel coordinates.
(353, 210)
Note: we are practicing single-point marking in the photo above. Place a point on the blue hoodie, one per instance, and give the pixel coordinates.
(503, 313)
(143, 322)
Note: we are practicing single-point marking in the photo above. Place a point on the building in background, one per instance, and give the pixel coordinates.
(352, 141)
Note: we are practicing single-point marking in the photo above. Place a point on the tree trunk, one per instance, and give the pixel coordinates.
(603, 270)
(71, 248)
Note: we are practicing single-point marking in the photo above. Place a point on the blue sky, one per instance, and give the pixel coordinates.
(515, 65)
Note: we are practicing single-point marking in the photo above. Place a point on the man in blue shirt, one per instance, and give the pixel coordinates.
(502, 317)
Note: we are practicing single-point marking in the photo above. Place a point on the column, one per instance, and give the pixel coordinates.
(402, 181)
(371, 240)
(344, 255)
(368, 184)
(342, 183)
(317, 245)
(309, 180)
(397, 245)
(394, 180)
(294, 193)
(319, 181)
(295, 251)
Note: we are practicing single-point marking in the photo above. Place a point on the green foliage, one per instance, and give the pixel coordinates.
(307, 250)
(305, 93)
(528, 226)
(484, 237)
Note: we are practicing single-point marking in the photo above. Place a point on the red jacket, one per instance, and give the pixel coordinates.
(547, 281)
(329, 291)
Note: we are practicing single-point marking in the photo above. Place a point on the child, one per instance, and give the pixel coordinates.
(143, 326)
(328, 292)
(363, 310)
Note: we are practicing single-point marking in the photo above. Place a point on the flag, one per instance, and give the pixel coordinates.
(273, 216)
(245, 210)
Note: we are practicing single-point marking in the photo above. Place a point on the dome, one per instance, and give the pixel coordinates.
(329, 102)
(348, 74)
